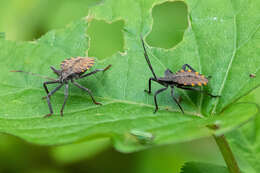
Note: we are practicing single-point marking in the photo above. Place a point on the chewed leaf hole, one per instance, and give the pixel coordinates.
(106, 38)
(170, 20)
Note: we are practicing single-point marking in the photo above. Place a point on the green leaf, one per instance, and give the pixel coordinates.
(197, 167)
(216, 44)
(245, 141)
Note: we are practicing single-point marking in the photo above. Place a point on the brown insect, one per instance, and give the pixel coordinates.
(71, 69)
(252, 75)
(184, 79)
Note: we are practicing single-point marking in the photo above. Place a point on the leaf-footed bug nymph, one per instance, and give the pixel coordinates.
(184, 79)
(71, 69)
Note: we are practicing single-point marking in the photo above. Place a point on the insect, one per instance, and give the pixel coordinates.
(184, 79)
(142, 137)
(71, 69)
(252, 75)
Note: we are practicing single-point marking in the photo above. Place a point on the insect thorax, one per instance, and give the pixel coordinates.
(68, 75)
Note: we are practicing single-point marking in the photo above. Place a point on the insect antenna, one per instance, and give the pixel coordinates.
(147, 59)
(33, 74)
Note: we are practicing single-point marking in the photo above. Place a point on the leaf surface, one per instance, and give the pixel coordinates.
(245, 141)
(216, 43)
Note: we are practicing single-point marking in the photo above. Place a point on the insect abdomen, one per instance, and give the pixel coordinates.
(190, 78)
(77, 65)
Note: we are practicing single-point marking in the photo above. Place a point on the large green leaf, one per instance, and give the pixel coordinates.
(245, 141)
(221, 41)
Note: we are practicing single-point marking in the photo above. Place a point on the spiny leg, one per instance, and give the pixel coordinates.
(66, 94)
(48, 99)
(172, 94)
(57, 72)
(86, 89)
(149, 89)
(198, 90)
(95, 71)
(187, 65)
(155, 99)
(45, 86)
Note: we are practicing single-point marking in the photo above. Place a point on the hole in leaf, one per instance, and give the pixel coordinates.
(170, 19)
(105, 38)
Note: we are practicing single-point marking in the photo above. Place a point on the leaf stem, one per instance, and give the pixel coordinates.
(227, 154)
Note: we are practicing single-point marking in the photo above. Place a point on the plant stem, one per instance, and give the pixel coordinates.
(227, 154)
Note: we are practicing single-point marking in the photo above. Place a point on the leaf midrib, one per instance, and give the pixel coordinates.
(229, 66)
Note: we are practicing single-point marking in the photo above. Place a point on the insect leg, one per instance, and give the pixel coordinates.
(95, 71)
(172, 94)
(66, 94)
(48, 99)
(57, 72)
(187, 65)
(197, 89)
(86, 89)
(149, 90)
(155, 99)
(46, 83)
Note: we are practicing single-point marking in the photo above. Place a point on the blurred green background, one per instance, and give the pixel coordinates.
(26, 20)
